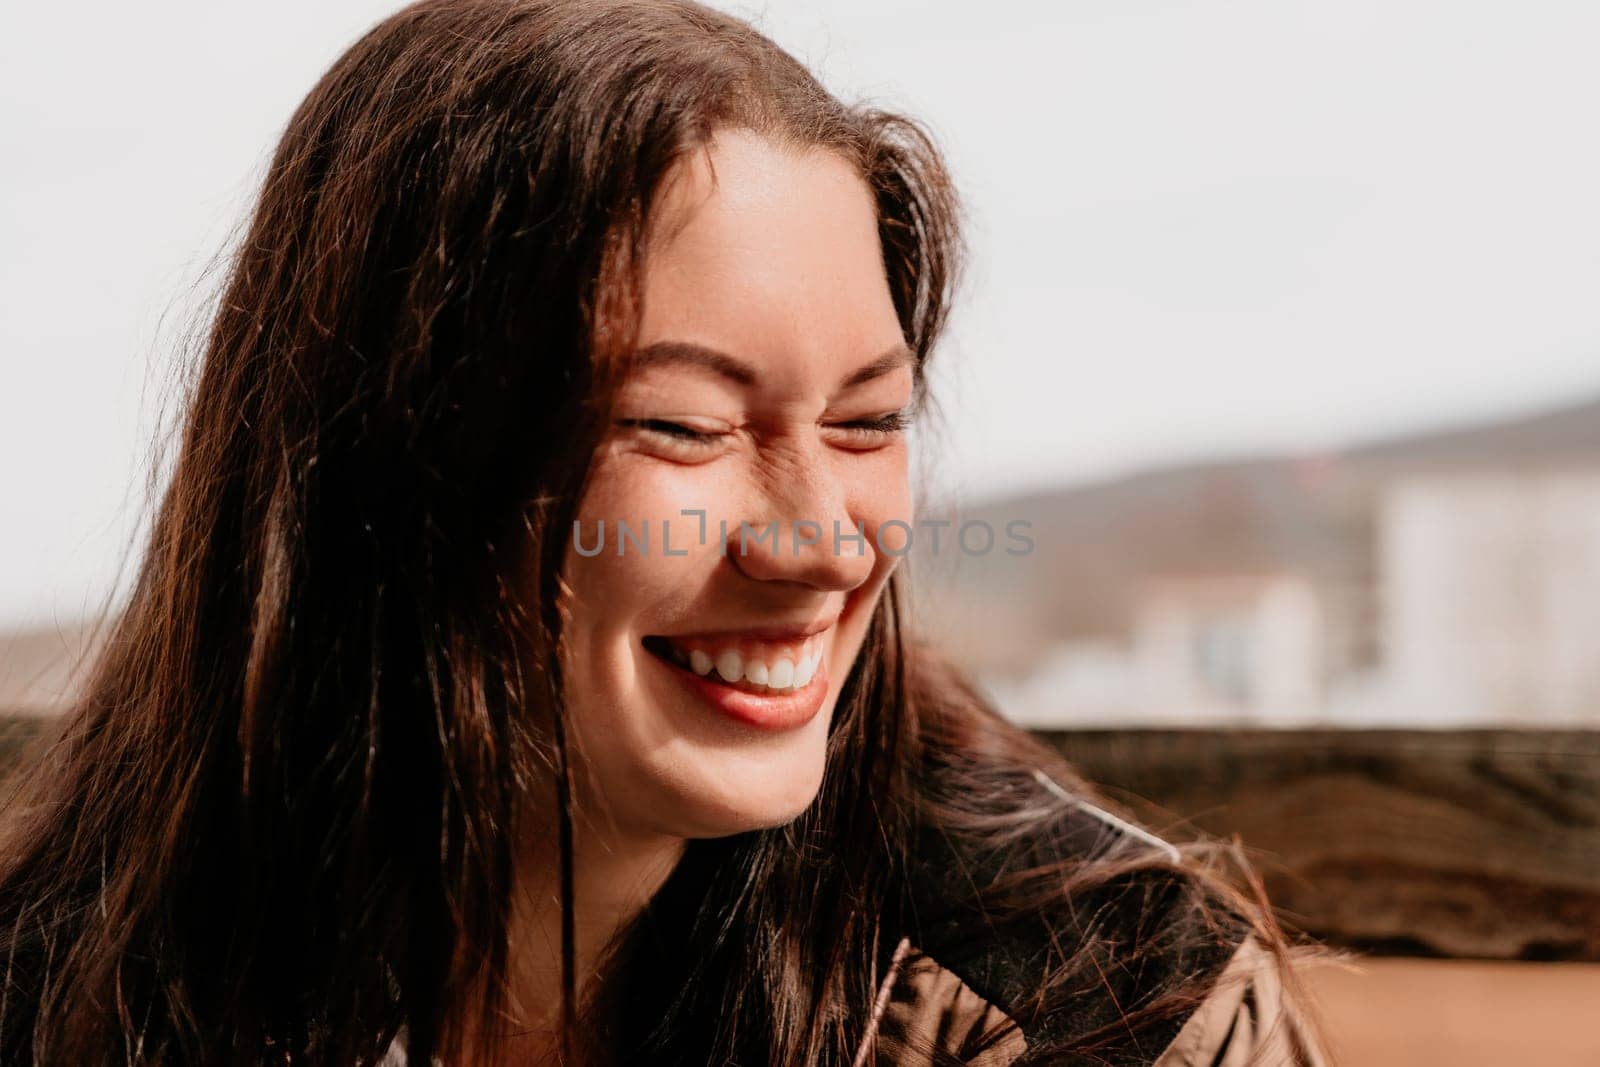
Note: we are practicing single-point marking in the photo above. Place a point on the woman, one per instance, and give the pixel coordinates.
(386, 761)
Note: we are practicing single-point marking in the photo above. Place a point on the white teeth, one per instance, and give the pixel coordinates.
(784, 674)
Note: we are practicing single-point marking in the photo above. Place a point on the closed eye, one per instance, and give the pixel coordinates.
(677, 431)
(886, 423)
(862, 434)
(877, 430)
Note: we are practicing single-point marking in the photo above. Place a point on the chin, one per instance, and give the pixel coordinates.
(734, 792)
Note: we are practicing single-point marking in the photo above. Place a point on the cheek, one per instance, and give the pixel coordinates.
(625, 507)
(882, 501)
(632, 513)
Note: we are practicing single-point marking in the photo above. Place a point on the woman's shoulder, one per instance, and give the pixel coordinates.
(1099, 921)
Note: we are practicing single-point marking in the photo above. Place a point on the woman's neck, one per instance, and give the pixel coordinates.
(614, 875)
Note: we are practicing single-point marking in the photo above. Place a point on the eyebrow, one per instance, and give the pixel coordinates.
(742, 373)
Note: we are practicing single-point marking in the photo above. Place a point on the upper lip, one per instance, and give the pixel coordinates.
(767, 632)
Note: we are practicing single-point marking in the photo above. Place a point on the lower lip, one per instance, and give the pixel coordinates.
(775, 712)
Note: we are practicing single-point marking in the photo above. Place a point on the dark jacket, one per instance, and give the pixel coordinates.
(953, 976)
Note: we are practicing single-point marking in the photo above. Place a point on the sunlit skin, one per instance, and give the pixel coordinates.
(776, 264)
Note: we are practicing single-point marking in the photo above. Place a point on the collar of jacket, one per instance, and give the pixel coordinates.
(1001, 963)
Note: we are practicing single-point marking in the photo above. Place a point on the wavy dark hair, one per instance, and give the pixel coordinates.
(280, 823)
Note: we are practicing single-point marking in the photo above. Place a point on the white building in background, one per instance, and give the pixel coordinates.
(1231, 646)
(1458, 594)
(1216, 648)
(1491, 586)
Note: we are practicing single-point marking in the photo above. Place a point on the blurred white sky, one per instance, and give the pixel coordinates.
(1199, 228)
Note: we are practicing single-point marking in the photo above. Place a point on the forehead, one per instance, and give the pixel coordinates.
(768, 251)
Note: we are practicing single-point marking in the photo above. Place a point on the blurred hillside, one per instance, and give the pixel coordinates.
(1440, 578)
(39, 667)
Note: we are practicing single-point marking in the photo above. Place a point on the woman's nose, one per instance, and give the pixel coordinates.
(803, 531)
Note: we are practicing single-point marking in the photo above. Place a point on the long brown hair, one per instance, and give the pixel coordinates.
(281, 822)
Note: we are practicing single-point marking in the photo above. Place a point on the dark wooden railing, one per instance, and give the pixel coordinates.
(1461, 843)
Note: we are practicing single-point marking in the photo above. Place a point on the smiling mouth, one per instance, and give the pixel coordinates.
(772, 685)
(760, 668)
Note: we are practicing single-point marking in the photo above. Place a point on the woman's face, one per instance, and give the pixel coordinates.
(702, 673)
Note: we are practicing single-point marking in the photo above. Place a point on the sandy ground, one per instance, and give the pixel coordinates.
(1418, 1013)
